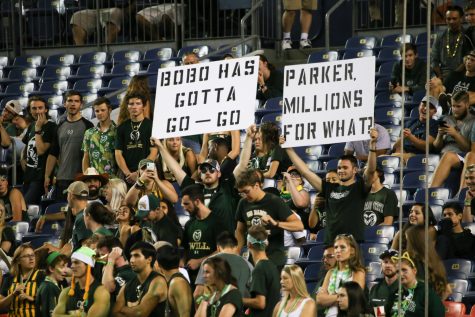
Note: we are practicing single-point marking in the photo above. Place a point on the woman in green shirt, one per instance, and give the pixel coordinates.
(96, 216)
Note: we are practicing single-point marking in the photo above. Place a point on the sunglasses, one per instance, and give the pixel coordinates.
(207, 168)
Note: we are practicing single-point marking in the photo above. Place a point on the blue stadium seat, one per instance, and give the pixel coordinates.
(60, 60)
(115, 84)
(273, 105)
(55, 208)
(17, 74)
(402, 195)
(394, 131)
(88, 71)
(157, 54)
(152, 81)
(314, 151)
(379, 234)
(55, 73)
(14, 89)
(395, 40)
(314, 165)
(54, 101)
(382, 85)
(422, 52)
(385, 69)
(419, 161)
(97, 58)
(388, 115)
(122, 69)
(125, 56)
(389, 163)
(88, 98)
(153, 67)
(460, 285)
(322, 56)
(38, 240)
(414, 180)
(311, 272)
(26, 61)
(200, 50)
(371, 251)
(417, 97)
(357, 53)
(421, 38)
(387, 54)
(272, 117)
(384, 98)
(437, 195)
(458, 268)
(389, 180)
(315, 254)
(236, 51)
(191, 144)
(91, 85)
(374, 268)
(335, 151)
(361, 42)
(311, 288)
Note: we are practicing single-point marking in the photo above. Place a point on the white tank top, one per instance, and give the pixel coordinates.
(297, 312)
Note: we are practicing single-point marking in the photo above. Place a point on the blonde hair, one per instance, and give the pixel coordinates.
(16, 269)
(119, 190)
(298, 281)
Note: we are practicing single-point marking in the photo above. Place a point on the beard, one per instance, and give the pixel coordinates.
(391, 275)
(93, 192)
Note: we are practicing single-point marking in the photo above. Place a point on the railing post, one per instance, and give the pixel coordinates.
(327, 23)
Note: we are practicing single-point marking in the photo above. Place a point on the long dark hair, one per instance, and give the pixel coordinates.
(222, 270)
(356, 300)
(171, 212)
(407, 225)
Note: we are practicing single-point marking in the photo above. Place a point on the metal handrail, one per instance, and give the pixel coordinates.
(248, 14)
(327, 23)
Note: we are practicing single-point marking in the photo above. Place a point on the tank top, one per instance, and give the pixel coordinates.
(135, 291)
(297, 312)
(168, 310)
(76, 301)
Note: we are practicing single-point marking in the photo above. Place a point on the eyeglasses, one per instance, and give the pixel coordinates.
(207, 168)
(344, 235)
(29, 256)
(328, 256)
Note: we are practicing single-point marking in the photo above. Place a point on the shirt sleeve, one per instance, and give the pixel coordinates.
(119, 140)
(258, 284)
(390, 206)
(238, 216)
(54, 150)
(7, 282)
(49, 132)
(349, 146)
(85, 141)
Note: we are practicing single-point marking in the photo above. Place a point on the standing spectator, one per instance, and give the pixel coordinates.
(221, 145)
(295, 298)
(38, 140)
(201, 231)
(146, 294)
(295, 195)
(361, 149)
(451, 45)
(179, 295)
(352, 301)
(20, 286)
(470, 19)
(138, 84)
(415, 130)
(114, 193)
(86, 296)
(270, 80)
(183, 155)
(66, 147)
(290, 9)
(96, 217)
(346, 197)
(469, 204)
(99, 141)
(12, 198)
(415, 72)
(225, 298)
(111, 17)
(349, 268)
(453, 138)
(265, 290)
(413, 293)
(453, 240)
(94, 181)
(387, 285)
(133, 138)
(260, 208)
(380, 207)
(7, 235)
(464, 79)
(55, 266)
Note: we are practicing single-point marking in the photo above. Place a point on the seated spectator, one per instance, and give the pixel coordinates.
(360, 149)
(351, 300)
(125, 217)
(416, 218)
(12, 109)
(12, 198)
(349, 268)
(149, 182)
(86, 296)
(415, 131)
(453, 241)
(225, 298)
(469, 204)
(416, 247)
(111, 17)
(55, 266)
(453, 138)
(8, 242)
(114, 193)
(464, 79)
(96, 217)
(329, 262)
(264, 289)
(413, 293)
(381, 203)
(94, 181)
(415, 73)
(20, 286)
(270, 80)
(190, 58)
(295, 298)
(387, 285)
(138, 84)
(158, 22)
(183, 155)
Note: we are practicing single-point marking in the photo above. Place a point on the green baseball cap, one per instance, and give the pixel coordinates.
(146, 204)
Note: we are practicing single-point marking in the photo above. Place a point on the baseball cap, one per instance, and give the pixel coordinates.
(212, 163)
(144, 162)
(471, 53)
(15, 107)
(433, 102)
(85, 255)
(388, 253)
(146, 204)
(292, 169)
(78, 188)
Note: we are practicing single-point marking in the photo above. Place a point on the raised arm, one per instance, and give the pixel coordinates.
(172, 164)
(246, 151)
(371, 165)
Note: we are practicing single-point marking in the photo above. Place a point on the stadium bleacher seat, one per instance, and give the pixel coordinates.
(122, 69)
(419, 161)
(357, 53)
(394, 131)
(14, 89)
(55, 73)
(361, 42)
(17, 74)
(395, 40)
(27, 61)
(388, 115)
(311, 272)
(60, 60)
(153, 67)
(402, 195)
(379, 234)
(236, 51)
(385, 69)
(421, 38)
(272, 117)
(382, 85)
(293, 253)
(415, 180)
(87, 71)
(125, 56)
(200, 50)
(371, 251)
(374, 268)
(386, 99)
(115, 84)
(157, 54)
(334, 151)
(3, 62)
(91, 85)
(460, 285)
(96, 58)
(388, 162)
(388, 54)
(422, 52)
(458, 268)
(322, 56)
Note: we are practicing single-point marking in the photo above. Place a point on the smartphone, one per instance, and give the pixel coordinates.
(150, 166)
(442, 123)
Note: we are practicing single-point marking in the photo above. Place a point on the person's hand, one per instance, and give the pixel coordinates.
(266, 219)
(450, 130)
(260, 79)
(39, 224)
(23, 296)
(18, 289)
(115, 253)
(47, 184)
(469, 195)
(251, 131)
(373, 134)
(131, 178)
(157, 143)
(281, 140)
(408, 134)
(287, 176)
(193, 264)
(41, 121)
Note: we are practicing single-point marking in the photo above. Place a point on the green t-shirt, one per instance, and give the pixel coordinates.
(199, 239)
(100, 146)
(265, 281)
(103, 232)
(80, 232)
(134, 143)
(381, 292)
(378, 205)
(277, 154)
(250, 213)
(47, 298)
(415, 305)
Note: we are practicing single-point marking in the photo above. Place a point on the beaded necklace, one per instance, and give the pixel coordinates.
(292, 306)
(457, 42)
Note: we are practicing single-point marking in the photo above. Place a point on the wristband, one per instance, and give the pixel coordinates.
(139, 185)
(110, 263)
(38, 132)
(468, 202)
(372, 150)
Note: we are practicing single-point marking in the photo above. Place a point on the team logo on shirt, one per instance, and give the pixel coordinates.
(370, 218)
(256, 221)
(197, 235)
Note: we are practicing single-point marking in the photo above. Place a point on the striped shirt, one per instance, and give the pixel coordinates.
(23, 308)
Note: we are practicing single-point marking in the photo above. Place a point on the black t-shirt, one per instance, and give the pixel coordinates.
(77, 301)
(122, 276)
(378, 205)
(9, 235)
(35, 164)
(381, 292)
(250, 213)
(47, 298)
(166, 230)
(232, 297)
(457, 81)
(134, 142)
(464, 245)
(265, 281)
(344, 206)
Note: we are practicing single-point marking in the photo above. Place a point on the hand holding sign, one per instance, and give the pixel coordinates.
(373, 133)
(251, 131)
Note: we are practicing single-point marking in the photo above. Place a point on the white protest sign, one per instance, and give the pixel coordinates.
(328, 102)
(208, 97)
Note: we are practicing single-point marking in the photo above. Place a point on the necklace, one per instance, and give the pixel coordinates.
(457, 42)
(292, 306)
(135, 134)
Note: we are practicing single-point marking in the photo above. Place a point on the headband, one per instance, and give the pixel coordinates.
(254, 241)
(404, 256)
(51, 257)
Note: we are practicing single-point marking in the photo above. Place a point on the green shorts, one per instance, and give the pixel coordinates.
(300, 4)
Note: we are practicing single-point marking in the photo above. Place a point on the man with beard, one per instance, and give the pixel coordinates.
(146, 294)
(463, 80)
(387, 285)
(38, 139)
(201, 231)
(98, 144)
(453, 138)
(94, 181)
(329, 263)
(86, 296)
(344, 201)
(66, 146)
